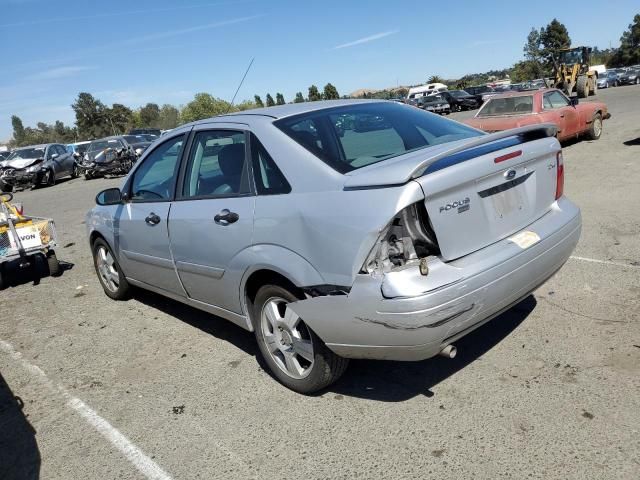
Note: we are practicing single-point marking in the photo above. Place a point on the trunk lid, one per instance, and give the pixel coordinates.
(474, 201)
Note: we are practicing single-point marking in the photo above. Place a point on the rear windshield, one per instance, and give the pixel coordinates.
(354, 136)
(507, 106)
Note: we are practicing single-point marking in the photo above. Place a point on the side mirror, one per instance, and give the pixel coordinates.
(54, 156)
(110, 196)
(574, 101)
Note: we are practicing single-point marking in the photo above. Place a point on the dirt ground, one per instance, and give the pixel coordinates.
(96, 389)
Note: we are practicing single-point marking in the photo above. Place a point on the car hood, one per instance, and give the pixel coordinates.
(20, 163)
(400, 170)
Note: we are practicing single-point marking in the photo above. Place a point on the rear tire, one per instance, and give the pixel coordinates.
(3, 281)
(582, 87)
(295, 355)
(5, 187)
(54, 264)
(595, 130)
(111, 277)
(88, 176)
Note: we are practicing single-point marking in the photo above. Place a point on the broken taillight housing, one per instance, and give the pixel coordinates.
(560, 175)
(408, 236)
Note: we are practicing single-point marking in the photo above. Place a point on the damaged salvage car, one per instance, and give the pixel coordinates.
(36, 165)
(109, 156)
(333, 242)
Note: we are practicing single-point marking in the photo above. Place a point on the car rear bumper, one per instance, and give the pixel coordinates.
(408, 316)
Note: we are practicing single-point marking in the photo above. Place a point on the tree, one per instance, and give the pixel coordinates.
(246, 105)
(150, 115)
(533, 56)
(553, 38)
(299, 98)
(435, 79)
(525, 70)
(314, 94)
(330, 92)
(90, 116)
(18, 130)
(629, 51)
(258, 101)
(119, 118)
(204, 105)
(270, 102)
(169, 117)
(280, 99)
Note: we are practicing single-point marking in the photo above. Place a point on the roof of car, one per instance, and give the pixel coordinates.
(41, 145)
(522, 93)
(290, 109)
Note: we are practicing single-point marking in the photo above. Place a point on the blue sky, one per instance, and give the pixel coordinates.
(165, 51)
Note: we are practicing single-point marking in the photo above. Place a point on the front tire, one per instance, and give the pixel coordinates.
(53, 264)
(5, 187)
(296, 356)
(595, 130)
(111, 278)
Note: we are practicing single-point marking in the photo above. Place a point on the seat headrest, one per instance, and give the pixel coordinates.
(231, 159)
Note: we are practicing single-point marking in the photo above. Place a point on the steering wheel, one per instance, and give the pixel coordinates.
(152, 194)
(6, 196)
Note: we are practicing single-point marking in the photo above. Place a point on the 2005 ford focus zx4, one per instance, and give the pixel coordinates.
(341, 229)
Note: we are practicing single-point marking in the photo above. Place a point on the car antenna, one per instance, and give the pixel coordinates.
(241, 82)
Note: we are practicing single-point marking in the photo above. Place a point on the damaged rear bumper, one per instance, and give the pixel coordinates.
(408, 316)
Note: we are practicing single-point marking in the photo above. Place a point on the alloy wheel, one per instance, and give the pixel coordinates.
(597, 126)
(107, 269)
(287, 338)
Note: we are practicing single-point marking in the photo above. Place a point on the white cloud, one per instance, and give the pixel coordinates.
(59, 72)
(368, 39)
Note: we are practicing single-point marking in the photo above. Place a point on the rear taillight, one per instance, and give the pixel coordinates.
(560, 175)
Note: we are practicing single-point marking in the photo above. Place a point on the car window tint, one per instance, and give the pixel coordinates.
(556, 99)
(357, 135)
(507, 106)
(268, 177)
(217, 165)
(154, 180)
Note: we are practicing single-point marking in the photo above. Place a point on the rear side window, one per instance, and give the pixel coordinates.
(507, 106)
(354, 136)
(269, 179)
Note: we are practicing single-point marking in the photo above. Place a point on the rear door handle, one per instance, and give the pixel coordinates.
(225, 217)
(152, 219)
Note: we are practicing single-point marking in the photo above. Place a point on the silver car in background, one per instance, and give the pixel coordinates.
(341, 229)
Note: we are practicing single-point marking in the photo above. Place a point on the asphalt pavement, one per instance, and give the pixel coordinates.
(91, 388)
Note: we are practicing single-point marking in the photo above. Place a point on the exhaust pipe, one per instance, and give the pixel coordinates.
(449, 351)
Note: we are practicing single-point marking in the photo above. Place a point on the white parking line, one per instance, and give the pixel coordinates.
(137, 457)
(605, 262)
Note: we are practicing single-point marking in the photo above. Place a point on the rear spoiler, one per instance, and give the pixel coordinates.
(526, 134)
(416, 165)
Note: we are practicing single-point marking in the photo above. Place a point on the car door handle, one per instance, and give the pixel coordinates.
(225, 217)
(152, 219)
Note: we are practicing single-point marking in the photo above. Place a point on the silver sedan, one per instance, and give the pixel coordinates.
(337, 230)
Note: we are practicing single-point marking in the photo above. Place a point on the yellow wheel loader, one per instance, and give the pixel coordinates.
(573, 73)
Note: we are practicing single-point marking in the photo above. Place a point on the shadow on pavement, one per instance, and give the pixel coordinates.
(19, 454)
(399, 381)
(631, 143)
(373, 380)
(14, 275)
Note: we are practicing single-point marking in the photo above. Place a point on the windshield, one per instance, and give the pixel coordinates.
(354, 136)
(27, 154)
(459, 93)
(134, 138)
(507, 106)
(102, 144)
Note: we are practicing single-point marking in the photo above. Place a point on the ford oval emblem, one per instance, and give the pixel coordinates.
(509, 174)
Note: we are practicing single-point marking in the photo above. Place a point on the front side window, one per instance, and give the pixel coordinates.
(217, 165)
(357, 135)
(555, 100)
(154, 180)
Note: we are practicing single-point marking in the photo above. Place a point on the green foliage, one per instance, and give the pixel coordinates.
(43, 133)
(169, 117)
(330, 92)
(18, 129)
(150, 115)
(204, 105)
(525, 70)
(435, 79)
(246, 105)
(90, 117)
(299, 98)
(314, 94)
(629, 51)
(553, 38)
(270, 102)
(119, 118)
(280, 99)
(258, 101)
